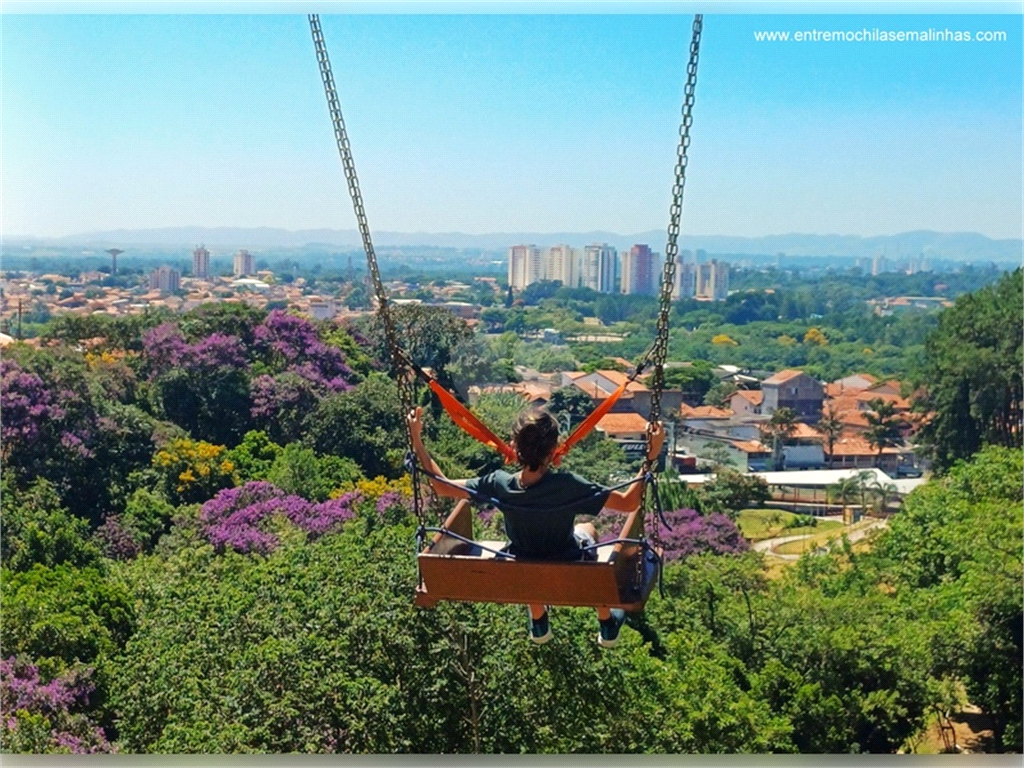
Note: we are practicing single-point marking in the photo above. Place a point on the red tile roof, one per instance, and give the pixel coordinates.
(782, 376)
(751, 446)
(752, 396)
(622, 422)
(857, 446)
(705, 412)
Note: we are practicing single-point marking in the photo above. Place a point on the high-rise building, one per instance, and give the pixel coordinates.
(244, 263)
(563, 264)
(597, 269)
(686, 277)
(713, 280)
(525, 266)
(201, 262)
(879, 264)
(640, 271)
(165, 279)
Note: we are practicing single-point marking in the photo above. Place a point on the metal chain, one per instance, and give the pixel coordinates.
(659, 351)
(400, 371)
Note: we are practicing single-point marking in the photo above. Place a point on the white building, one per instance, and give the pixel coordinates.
(597, 270)
(686, 277)
(713, 280)
(525, 266)
(563, 264)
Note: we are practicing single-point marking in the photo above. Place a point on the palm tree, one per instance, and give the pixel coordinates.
(844, 491)
(852, 488)
(831, 427)
(884, 493)
(775, 432)
(884, 426)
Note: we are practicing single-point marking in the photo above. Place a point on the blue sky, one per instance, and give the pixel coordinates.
(501, 123)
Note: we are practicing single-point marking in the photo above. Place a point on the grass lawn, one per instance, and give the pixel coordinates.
(760, 524)
(820, 538)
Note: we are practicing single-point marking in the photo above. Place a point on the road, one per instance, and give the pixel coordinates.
(856, 534)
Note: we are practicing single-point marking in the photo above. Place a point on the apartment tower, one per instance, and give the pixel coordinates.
(201, 262)
(525, 266)
(597, 269)
(640, 271)
(244, 263)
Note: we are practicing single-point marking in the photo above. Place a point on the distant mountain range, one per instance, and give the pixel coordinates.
(958, 246)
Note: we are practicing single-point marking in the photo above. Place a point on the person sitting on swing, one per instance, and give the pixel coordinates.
(546, 502)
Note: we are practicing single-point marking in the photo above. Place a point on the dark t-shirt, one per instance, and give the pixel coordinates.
(539, 519)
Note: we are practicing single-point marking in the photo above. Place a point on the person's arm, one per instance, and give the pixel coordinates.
(415, 420)
(629, 499)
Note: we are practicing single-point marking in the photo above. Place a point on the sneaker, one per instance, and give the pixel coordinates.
(540, 629)
(608, 637)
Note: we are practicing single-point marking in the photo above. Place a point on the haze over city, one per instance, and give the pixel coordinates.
(508, 123)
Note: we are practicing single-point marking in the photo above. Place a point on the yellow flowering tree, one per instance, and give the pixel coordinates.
(815, 336)
(194, 471)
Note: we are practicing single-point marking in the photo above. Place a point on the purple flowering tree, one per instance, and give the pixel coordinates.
(239, 518)
(289, 342)
(691, 534)
(27, 407)
(37, 716)
(280, 403)
(201, 387)
(694, 534)
(305, 370)
(117, 540)
(165, 348)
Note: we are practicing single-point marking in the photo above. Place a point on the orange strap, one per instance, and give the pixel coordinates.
(470, 423)
(589, 423)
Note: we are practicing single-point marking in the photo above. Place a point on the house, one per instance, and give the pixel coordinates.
(854, 452)
(756, 457)
(793, 389)
(888, 391)
(850, 385)
(746, 402)
(629, 430)
(623, 426)
(637, 397)
(803, 449)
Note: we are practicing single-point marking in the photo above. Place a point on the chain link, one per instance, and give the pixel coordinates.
(659, 350)
(400, 371)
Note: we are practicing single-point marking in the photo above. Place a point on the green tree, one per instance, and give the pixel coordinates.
(63, 615)
(693, 380)
(973, 374)
(831, 427)
(571, 400)
(730, 491)
(364, 424)
(253, 457)
(300, 471)
(884, 425)
(718, 395)
(776, 431)
(37, 529)
(954, 550)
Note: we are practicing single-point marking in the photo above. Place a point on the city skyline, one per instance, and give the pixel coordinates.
(816, 138)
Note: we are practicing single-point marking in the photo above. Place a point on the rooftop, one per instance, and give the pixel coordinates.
(622, 422)
(783, 376)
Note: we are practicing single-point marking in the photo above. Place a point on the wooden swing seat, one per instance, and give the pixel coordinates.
(456, 570)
